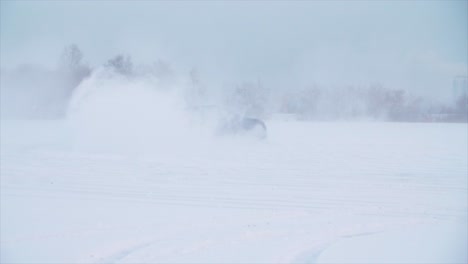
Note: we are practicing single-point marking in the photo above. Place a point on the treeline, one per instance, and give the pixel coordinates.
(374, 102)
(315, 103)
(33, 92)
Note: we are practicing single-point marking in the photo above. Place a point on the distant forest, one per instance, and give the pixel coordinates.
(34, 92)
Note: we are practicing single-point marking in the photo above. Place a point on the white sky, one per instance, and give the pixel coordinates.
(415, 45)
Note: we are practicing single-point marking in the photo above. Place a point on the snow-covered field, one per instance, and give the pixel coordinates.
(311, 192)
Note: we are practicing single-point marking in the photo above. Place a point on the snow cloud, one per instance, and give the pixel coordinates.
(114, 112)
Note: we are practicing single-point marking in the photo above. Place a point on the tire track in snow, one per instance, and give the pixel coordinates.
(123, 253)
(314, 176)
(220, 185)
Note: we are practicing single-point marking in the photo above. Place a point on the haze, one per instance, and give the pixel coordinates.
(233, 131)
(417, 46)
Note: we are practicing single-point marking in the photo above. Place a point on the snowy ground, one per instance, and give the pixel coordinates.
(312, 192)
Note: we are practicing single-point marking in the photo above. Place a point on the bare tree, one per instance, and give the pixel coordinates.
(121, 65)
(72, 67)
(71, 58)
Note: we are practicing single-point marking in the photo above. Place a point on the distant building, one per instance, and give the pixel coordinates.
(460, 87)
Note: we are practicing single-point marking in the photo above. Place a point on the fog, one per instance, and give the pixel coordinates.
(339, 60)
(233, 131)
(132, 114)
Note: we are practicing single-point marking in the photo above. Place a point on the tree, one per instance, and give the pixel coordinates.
(248, 98)
(307, 101)
(72, 68)
(395, 101)
(461, 108)
(121, 65)
(71, 58)
(195, 93)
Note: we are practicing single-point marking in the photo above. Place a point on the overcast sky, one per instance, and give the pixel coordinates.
(416, 45)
